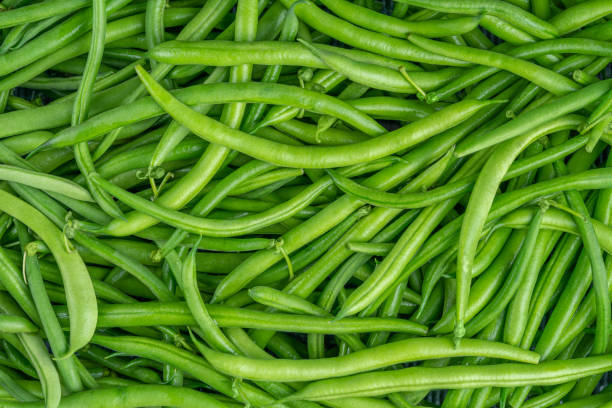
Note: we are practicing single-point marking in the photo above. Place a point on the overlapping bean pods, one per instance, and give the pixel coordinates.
(305, 204)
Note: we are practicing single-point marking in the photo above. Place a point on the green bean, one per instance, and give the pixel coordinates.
(33, 347)
(184, 360)
(313, 251)
(485, 188)
(410, 241)
(59, 36)
(197, 28)
(172, 313)
(458, 377)
(126, 262)
(532, 50)
(594, 401)
(212, 333)
(13, 283)
(175, 132)
(272, 74)
(82, 102)
(357, 37)
(12, 38)
(211, 227)
(44, 181)
(598, 269)
(364, 230)
(211, 53)
(370, 248)
(580, 15)
(486, 285)
(516, 321)
(278, 300)
(16, 324)
(67, 367)
(32, 30)
(530, 92)
(514, 15)
(406, 200)
(381, 77)
(397, 27)
(39, 357)
(536, 117)
(118, 365)
(154, 24)
(359, 361)
(557, 220)
(392, 108)
(115, 30)
(81, 296)
(61, 84)
(207, 203)
(14, 389)
(311, 134)
(146, 108)
(288, 303)
(132, 396)
(308, 156)
(41, 11)
(515, 276)
(547, 79)
(501, 29)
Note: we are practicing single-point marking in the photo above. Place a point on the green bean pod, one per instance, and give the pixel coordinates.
(360, 361)
(454, 377)
(77, 283)
(177, 313)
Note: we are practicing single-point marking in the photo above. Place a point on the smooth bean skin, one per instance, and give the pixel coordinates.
(514, 15)
(146, 108)
(182, 359)
(313, 156)
(193, 298)
(591, 46)
(382, 78)
(215, 53)
(357, 37)
(382, 23)
(557, 220)
(177, 313)
(364, 360)
(392, 108)
(44, 182)
(117, 29)
(425, 198)
(211, 227)
(59, 113)
(580, 15)
(545, 78)
(131, 396)
(16, 324)
(35, 12)
(535, 117)
(81, 297)
(454, 377)
(482, 198)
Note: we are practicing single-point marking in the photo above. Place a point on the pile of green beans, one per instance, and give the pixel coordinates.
(305, 203)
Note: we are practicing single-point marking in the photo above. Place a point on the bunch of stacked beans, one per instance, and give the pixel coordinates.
(305, 203)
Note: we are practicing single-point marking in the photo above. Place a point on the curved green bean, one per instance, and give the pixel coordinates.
(454, 377)
(81, 297)
(360, 361)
